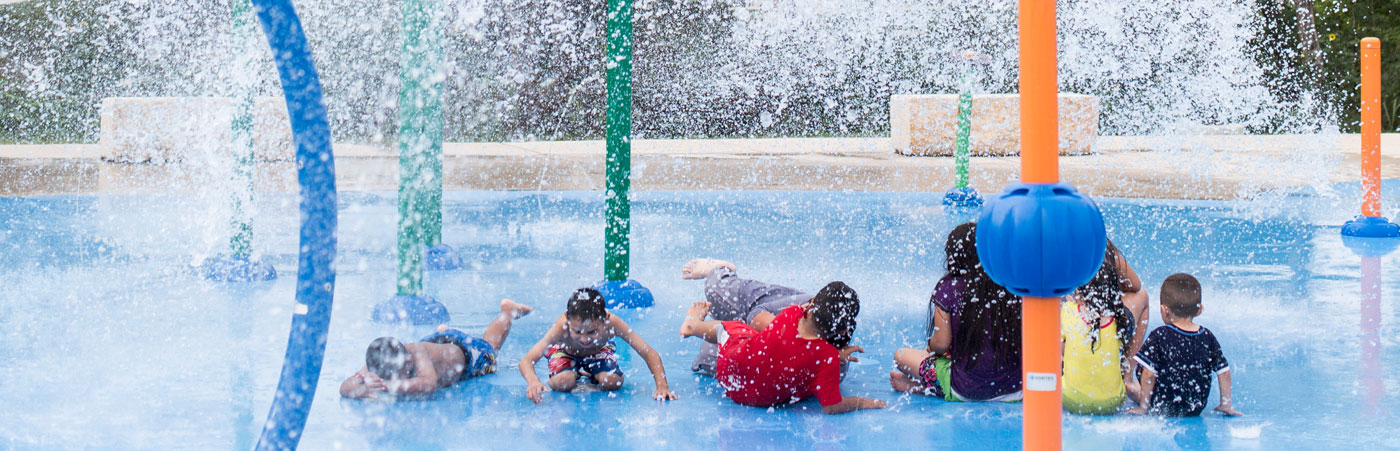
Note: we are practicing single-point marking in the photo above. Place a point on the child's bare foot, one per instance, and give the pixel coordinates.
(697, 313)
(516, 310)
(700, 268)
(903, 384)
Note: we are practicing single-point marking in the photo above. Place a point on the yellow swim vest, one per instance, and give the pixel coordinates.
(1093, 379)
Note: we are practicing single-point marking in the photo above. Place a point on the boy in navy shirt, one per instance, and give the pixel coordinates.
(1178, 359)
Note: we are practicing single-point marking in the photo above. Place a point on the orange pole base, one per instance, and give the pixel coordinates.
(1040, 357)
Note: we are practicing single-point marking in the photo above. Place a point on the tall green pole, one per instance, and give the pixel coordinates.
(964, 131)
(961, 152)
(420, 142)
(244, 78)
(619, 140)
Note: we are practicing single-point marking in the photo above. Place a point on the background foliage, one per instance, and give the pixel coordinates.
(1341, 25)
(532, 69)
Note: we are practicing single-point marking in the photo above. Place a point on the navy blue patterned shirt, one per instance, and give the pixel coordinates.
(1184, 363)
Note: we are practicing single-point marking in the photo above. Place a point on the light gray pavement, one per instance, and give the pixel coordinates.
(1192, 167)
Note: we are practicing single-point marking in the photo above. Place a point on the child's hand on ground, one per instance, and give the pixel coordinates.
(847, 351)
(536, 392)
(665, 394)
(1227, 410)
(874, 404)
(1139, 410)
(373, 384)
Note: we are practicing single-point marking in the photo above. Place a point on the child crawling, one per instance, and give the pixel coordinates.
(437, 361)
(796, 355)
(580, 349)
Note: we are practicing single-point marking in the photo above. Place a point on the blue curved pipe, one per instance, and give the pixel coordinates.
(306, 343)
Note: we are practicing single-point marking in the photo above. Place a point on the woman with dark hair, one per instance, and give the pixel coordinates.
(974, 345)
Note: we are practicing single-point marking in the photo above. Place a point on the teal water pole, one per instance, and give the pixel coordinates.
(244, 79)
(962, 196)
(616, 288)
(420, 142)
(420, 167)
(961, 152)
(616, 261)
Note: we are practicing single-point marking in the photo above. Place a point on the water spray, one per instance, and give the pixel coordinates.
(238, 265)
(962, 195)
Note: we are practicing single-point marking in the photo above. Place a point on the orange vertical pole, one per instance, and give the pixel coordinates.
(1371, 127)
(1040, 118)
(1040, 140)
(1040, 357)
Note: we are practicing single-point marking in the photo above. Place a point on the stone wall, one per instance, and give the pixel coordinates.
(177, 129)
(926, 124)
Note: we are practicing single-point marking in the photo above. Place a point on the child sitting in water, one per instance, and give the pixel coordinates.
(1095, 328)
(796, 355)
(1178, 359)
(580, 349)
(973, 351)
(437, 361)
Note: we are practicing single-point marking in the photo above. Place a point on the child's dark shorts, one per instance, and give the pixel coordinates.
(588, 367)
(934, 373)
(481, 356)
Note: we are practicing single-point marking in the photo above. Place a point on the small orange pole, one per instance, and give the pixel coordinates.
(1371, 127)
(1040, 141)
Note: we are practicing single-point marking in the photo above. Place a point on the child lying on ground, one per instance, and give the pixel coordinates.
(437, 361)
(733, 298)
(580, 350)
(796, 355)
(1178, 359)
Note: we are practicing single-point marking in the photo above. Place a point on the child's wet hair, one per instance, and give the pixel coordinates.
(1103, 296)
(989, 312)
(834, 311)
(386, 357)
(586, 304)
(1181, 294)
(960, 251)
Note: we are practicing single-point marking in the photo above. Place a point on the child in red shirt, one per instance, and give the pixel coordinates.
(790, 358)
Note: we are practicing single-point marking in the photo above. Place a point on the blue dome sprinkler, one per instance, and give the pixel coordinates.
(1041, 240)
(418, 310)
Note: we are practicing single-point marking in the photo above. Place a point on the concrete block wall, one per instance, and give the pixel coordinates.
(926, 124)
(175, 129)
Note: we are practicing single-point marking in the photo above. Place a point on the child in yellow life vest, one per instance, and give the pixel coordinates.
(1095, 328)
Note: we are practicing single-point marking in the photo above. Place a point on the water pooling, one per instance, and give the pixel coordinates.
(113, 342)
